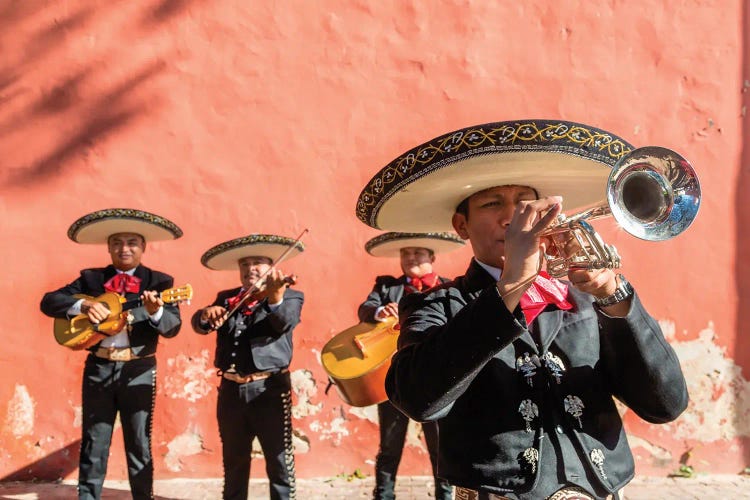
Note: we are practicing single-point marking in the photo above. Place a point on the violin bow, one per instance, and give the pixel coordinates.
(256, 286)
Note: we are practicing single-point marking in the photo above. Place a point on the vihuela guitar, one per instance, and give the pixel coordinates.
(80, 333)
(357, 361)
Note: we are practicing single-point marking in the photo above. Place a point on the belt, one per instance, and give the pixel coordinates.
(118, 354)
(240, 379)
(567, 493)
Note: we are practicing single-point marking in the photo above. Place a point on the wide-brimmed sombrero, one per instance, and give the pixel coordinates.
(224, 256)
(390, 244)
(98, 226)
(419, 190)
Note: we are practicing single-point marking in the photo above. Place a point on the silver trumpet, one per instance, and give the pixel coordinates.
(652, 192)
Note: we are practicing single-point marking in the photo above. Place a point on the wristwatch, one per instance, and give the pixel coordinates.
(624, 291)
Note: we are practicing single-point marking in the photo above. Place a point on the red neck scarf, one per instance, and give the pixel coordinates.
(423, 283)
(543, 291)
(123, 283)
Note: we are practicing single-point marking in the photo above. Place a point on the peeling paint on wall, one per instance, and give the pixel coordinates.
(188, 376)
(186, 444)
(19, 419)
(414, 436)
(719, 394)
(305, 388)
(661, 456)
(334, 430)
(77, 415)
(369, 413)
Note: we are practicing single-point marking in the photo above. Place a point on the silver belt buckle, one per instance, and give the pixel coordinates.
(120, 354)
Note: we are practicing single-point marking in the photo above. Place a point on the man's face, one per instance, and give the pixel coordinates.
(252, 268)
(126, 250)
(489, 215)
(416, 261)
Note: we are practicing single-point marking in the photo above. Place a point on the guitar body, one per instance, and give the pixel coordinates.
(357, 361)
(79, 333)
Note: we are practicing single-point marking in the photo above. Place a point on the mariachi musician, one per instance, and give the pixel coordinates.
(120, 370)
(521, 369)
(416, 254)
(254, 324)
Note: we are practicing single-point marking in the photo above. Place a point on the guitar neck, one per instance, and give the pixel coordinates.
(132, 304)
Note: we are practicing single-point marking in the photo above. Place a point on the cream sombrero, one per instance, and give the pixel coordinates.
(98, 226)
(390, 244)
(224, 256)
(419, 190)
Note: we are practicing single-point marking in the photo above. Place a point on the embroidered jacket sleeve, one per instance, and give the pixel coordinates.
(643, 369)
(170, 322)
(286, 316)
(447, 337)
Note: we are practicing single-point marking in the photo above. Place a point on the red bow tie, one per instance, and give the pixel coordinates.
(425, 282)
(248, 307)
(543, 291)
(123, 283)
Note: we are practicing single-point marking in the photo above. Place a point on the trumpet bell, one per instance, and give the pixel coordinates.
(653, 193)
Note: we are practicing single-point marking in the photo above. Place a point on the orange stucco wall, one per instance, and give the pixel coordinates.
(237, 116)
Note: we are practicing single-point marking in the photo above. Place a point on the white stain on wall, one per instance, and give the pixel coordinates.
(20, 416)
(719, 394)
(305, 388)
(334, 430)
(369, 413)
(189, 377)
(186, 444)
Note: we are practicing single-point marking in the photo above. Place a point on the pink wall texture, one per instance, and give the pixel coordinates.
(238, 116)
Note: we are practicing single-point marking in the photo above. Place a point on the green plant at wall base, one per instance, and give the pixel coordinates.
(685, 469)
(357, 474)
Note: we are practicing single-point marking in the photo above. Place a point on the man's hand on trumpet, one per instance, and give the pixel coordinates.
(523, 246)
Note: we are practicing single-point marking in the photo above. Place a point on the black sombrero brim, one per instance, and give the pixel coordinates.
(390, 244)
(419, 190)
(224, 256)
(98, 226)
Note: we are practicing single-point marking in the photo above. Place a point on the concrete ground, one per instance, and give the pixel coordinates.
(709, 487)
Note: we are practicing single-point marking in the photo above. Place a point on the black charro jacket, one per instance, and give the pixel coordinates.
(144, 335)
(457, 363)
(261, 341)
(387, 289)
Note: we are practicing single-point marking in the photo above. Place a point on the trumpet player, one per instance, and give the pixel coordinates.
(254, 324)
(519, 369)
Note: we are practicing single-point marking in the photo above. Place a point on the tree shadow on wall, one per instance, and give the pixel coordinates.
(66, 115)
(43, 476)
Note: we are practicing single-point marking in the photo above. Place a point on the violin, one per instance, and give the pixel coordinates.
(289, 280)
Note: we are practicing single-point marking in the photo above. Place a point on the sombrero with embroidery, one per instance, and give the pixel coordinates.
(390, 244)
(98, 226)
(419, 190)
(224, 256)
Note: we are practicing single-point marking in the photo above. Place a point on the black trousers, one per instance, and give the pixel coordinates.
(261, 409)
(393, 426)
(110, 387)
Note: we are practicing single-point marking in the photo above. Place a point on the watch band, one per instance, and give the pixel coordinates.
(623, 292)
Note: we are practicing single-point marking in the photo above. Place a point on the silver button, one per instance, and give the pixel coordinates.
(559, 429)
(234, 354)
